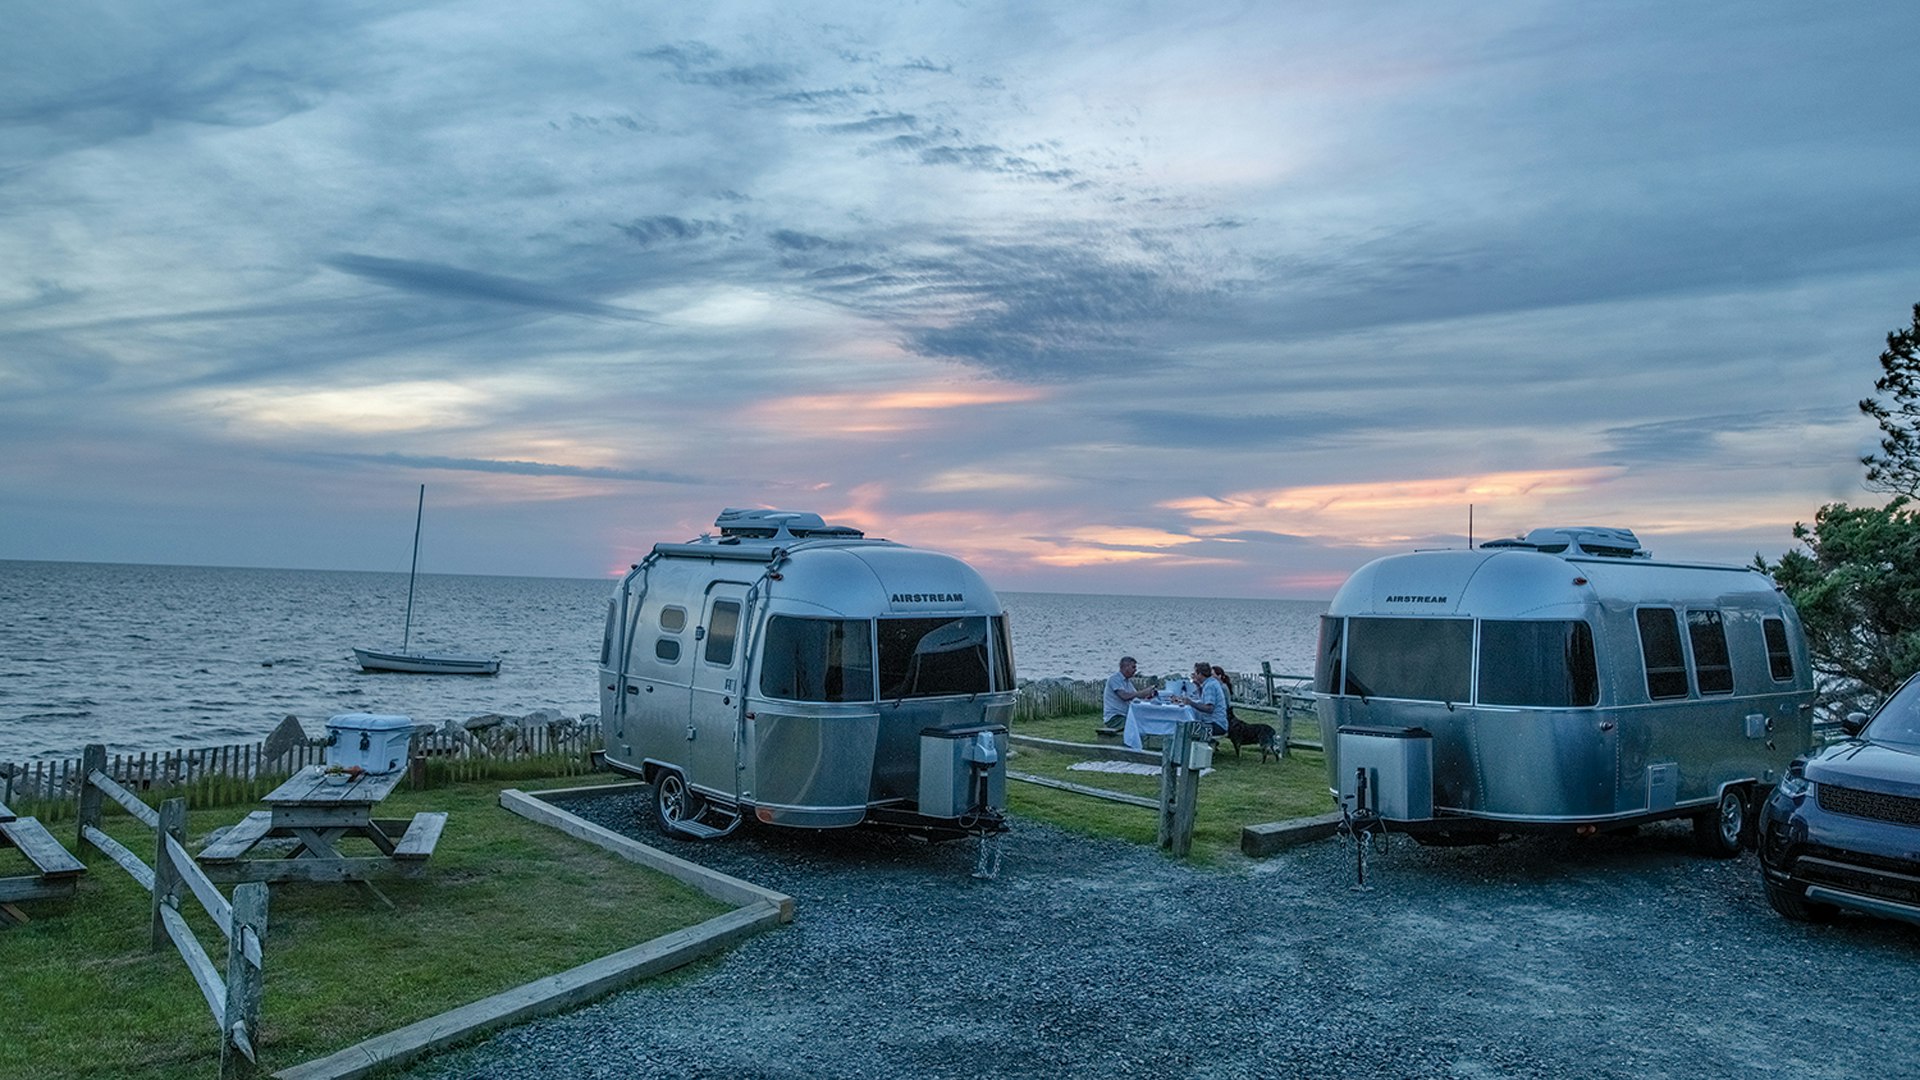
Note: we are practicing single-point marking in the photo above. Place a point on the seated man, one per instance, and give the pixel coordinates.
(1211, 702)
(1119, 693)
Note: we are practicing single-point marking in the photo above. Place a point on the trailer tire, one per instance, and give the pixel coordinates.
(1721, 833)
(673, 802)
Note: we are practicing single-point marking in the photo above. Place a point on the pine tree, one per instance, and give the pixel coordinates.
(1896, 468)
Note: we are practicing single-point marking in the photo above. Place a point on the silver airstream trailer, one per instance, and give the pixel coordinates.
(1562, 681)
(804, 675)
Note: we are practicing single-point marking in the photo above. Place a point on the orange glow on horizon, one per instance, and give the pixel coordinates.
(1387, 512)
(890, 410)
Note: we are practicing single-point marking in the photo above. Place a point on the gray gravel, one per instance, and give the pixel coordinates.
(1612, 957)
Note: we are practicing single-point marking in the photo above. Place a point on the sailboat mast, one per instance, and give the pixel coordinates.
(406, 636)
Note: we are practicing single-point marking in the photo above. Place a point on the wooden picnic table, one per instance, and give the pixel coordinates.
(317, 815)
(55, 870)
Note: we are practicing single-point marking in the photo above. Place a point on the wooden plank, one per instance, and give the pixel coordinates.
(40, 848)
(1259, 840)
(555, 993)
(128, 801)
(236, 841)
(310, 787)
(1093, 751)
(1082, 789)
(210, 899)
(6, 814)
(338, 816)
(114, 850)
(618, 787)
(34, 888)
(421, 836)
(204, 973)
(713, 883)
(314, 871)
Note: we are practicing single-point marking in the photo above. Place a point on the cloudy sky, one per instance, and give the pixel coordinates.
(1160, 298)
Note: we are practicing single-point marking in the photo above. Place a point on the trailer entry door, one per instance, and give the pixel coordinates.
(713, 721)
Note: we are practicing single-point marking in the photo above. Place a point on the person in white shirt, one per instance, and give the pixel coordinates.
(1119, 694)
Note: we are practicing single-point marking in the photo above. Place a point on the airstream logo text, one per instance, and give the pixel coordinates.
(1406, 599)
(928, 597)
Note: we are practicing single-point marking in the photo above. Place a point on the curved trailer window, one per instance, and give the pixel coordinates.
(817, 659)
(1546, 663)
(1003, 655)
(1414, 659)
(935, 657)
(1327, 676)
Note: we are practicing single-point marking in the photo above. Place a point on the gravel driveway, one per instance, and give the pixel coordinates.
(1611, 957)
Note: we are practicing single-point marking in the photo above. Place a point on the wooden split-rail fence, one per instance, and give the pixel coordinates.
(233, 998)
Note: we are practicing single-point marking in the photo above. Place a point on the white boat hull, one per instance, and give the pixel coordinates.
(426, 664)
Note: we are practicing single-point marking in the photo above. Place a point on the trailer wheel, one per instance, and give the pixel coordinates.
(1721, 832)
(673, 802)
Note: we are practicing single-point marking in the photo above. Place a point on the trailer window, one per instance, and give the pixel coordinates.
(673, 619)
(723, 623)
(1547, 663)
(1002, 654)
(933, 657)
(1415, 659)
(1712, 671)
(606, 640)
(817, 659)
(1779, 656)
(1660, 648)
(1326, 667)
(667, 649)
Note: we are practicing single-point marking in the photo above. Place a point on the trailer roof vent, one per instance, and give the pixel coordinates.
(756, 524)
(1598, 540)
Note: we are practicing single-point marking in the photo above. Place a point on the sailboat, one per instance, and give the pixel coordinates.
(405, 659)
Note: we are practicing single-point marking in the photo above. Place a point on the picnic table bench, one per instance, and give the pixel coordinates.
(56, 871)
(317, 814)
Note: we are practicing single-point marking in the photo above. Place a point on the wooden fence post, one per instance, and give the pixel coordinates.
(1168, 783)
(166, 876)
(239, 1051)
(1186, 799)
(93, 759)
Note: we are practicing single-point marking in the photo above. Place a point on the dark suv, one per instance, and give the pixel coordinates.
(1843, 827)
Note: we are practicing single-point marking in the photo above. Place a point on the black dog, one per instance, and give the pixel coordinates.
(1241, 733)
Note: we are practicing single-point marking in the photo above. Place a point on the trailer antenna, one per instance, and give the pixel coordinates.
(1469, 526)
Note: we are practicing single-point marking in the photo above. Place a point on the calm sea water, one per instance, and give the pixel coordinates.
(159, 657)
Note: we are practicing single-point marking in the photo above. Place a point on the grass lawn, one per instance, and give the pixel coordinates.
(1239, 792)
(503, 901)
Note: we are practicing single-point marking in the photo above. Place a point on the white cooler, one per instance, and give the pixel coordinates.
(374, 742)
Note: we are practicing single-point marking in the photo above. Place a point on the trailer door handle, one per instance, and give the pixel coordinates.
(630, 689)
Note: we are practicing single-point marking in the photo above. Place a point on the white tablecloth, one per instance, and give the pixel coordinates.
(1154, 718)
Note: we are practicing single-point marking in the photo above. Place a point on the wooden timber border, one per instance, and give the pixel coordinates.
(760, 909)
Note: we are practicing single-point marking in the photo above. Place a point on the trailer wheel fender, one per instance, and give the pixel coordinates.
(1724, 829)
